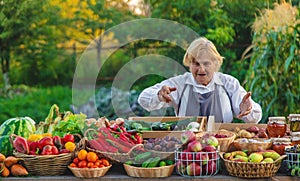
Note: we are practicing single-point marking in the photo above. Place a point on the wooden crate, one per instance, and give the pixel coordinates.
(159, 134)
(232, 126)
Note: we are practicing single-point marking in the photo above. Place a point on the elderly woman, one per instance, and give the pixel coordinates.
(203, 91)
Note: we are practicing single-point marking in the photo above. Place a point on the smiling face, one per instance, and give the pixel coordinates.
(203, 68)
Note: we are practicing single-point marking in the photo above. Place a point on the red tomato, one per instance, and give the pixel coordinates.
(82, 164)
(75, 160)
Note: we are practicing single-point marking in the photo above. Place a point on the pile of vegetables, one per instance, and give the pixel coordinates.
(11, 166)
(21, 126)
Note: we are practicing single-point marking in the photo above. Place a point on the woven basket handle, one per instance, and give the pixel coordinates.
(85, 134)
(133, 148)
(11, 138)
(280, 158)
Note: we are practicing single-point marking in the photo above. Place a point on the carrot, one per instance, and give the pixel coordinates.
(18, 170)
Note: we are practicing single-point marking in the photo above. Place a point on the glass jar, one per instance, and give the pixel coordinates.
(279, 144)
(295, 138)
(276, 127)
(294, 120)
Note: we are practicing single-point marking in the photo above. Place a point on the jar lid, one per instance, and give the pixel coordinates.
(281, 140)
(294, 116)
(280, 120)
(295, 134)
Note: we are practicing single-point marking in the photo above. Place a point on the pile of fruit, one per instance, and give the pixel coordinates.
(197, 158)
(164, 144)
(88, 159)
(267, 156)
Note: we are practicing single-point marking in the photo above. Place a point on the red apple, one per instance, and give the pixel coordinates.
(210, 168)
(187, 137)
(194, 146)
(209, 148)
(193, 169)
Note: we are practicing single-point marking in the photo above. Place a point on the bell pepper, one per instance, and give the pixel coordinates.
(64, 151)
(33, 146)
(21, 145)
(57, 142)
(44, 142)
(47, 150)
(67, 138)
(50, 150)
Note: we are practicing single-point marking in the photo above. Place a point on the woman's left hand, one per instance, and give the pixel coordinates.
(245, 106)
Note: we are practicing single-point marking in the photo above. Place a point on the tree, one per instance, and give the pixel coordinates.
(29, 34)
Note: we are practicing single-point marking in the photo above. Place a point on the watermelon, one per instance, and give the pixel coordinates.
(21, 126)
(6, 148)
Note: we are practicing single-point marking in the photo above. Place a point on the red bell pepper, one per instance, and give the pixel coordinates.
(47, 150)
(33, 146)
(21, 145)
(44, 142)
(67, 138)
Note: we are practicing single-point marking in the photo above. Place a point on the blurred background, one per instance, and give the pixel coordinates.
(41, 43)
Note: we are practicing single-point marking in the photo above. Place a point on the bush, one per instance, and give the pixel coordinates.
(33, 102)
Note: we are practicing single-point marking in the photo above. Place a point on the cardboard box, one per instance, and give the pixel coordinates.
(159, 134)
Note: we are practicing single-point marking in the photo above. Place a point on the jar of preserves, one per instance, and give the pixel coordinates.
(294, 120)
(295, 138)
(276, 127)
(279, 144)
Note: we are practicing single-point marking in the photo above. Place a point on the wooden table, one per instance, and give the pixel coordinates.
(117, 173)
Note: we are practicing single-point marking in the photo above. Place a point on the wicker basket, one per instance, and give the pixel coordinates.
(252, 170)
(115, 157)
(156, 172)
(45, 165)
(163, 155)
(262, 144)
(223, 142)
(89, 172)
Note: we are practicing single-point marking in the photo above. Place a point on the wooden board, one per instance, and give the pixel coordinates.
(159, 134)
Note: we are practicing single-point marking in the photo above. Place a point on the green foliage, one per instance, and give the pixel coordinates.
(34, 102)
(274, 74)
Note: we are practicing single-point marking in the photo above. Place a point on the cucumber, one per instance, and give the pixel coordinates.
(140, 158)
(154, 162)
(146, 163)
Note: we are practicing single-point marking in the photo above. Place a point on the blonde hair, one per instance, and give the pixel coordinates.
(200, 46)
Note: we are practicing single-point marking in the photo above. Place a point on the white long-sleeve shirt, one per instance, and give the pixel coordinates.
(148, 99)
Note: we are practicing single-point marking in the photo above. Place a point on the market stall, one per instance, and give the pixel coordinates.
(71, 147)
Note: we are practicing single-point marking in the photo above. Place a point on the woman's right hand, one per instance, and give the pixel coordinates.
(164, 93)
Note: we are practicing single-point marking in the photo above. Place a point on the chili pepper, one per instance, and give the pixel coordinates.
(107, 146)
(139, 138)
(122, 148)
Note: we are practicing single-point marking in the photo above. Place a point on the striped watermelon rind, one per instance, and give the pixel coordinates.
(21, 126)
(6, 147)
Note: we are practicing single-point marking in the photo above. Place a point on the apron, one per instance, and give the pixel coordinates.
(203, 104)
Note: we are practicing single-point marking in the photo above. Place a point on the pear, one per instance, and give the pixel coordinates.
(244, 158)
(255, 157)
(268, 154)
(267, 160)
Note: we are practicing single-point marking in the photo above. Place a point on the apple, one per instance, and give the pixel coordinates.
(210, 168)
(204, 158)
(211, 140)
(181, 168)
(209, 148)
(194, 146)
(187, 137)
(194, 169)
